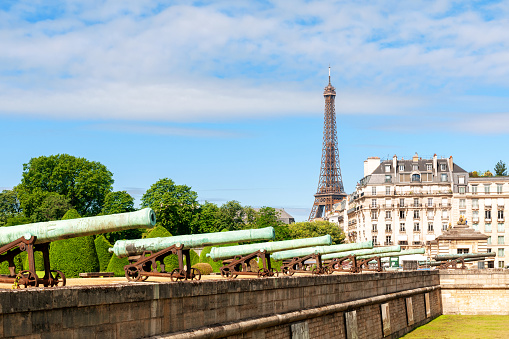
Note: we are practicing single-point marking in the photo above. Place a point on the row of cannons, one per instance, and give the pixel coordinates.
(146, 256)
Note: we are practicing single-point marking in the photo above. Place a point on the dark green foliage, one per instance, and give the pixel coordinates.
(308, 229)
(231, 216)
(500, 169)
(158, 232)
(9, 205)
(101, 248)
(176, 206)
(116, 265)
(18, 219)
(84, 183)
(18, 263)
(75, 255)
(205, 269)
(206, 220)
(52, 207)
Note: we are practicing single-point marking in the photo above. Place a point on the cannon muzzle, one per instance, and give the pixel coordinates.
(219, 253)
(124, 248)
(301, 252)
(64, 229)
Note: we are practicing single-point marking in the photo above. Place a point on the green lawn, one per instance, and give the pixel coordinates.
(464, 327)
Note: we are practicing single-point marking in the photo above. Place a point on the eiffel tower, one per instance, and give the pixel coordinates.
(330, 185)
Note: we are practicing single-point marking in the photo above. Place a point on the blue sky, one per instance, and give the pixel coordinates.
(227, 97)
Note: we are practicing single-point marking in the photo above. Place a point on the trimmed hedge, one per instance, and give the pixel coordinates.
(74, 256)
(205, 269)
(18, 264)
(101, 248)
(158, 232)
(39, 261)
(116, 265)
(275, 264)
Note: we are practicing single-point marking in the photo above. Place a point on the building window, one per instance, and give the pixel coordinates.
(500, 240)
(475, 203)
(430, 227)
(463, 213)
(416, 202)
(499, 188)
(444, 202)
(373, 202)
(475, 216)
(500, 264)
(388, 240)
(388, 228)
(476, 227)
(500, 228)
(388, 178)
(461, 180)
(374, 228)
(500, 214)
(461, 190)
(430, 202)
(428, 167)
(416, 214)
(486, 188)
(462, 250)
(488, 241)
(501, 253)
(474, 188)
(487, 228)
(402, 227)
(444, 215)
(444, 226)
(387, 190)
(387, 168)
(415, 167)
(462, 203)
(402, 202)
(375, 240)
(443, 177)
(487, 214)
(443, 167)
(387, 214)
(402, 214)
(374, 215)
(373, 190)
(417, 228)
(416, 178)
(430, 214)
(401, 168)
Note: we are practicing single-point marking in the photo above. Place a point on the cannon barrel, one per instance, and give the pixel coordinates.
(301, 252)
(377, 250)
(124, 248)
(219, 253)
(444, 257)
(394, 254)
(64, 229)
(438, 263)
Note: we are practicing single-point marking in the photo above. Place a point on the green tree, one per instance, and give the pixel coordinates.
(101, 248)
(84, 183)
(53, 207)
(487, 174)
(473, 174)
(207, 219)
(75, 255)
(120, 202)
(9, 205)
(308, 229)
(175, 206)
(269, 217)
(231, 216)
(500, 169)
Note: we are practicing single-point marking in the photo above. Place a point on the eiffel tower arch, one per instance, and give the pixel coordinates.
(330, 185)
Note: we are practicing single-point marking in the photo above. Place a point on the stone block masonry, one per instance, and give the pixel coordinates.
(244, 308)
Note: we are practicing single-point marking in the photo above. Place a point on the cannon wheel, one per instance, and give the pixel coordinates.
(132, 273)
(287, 271)
(195, 274)
(226, 273)
(27, 279)
(274, 273)
(176, 275)
(263, 272)
(58, 278)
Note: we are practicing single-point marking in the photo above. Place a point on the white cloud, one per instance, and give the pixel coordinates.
(128, 60)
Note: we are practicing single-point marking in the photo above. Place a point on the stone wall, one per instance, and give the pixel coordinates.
(475, 292)
(286, 307)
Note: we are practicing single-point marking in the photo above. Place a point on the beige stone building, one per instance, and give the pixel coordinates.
(410, 202)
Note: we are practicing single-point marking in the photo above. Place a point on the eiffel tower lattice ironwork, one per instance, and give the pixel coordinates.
(330, 185)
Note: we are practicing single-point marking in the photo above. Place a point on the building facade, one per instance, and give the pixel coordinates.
(412, 202)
